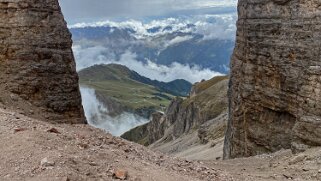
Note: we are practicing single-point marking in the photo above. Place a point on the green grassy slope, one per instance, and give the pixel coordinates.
(177, 87)
(211, 96)
(115, 81)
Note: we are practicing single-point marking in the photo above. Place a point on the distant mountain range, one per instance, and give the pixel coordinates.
(160, 44)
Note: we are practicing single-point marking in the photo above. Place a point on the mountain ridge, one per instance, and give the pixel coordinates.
(121, 72)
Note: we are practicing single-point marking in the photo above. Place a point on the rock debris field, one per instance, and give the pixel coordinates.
(36, 150)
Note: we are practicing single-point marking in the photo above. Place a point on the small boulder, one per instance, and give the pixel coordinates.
(16, 130)
(120, 174)
(14, 97)
(47, 163)
(297, 159)
(53, 130)
(298, 147)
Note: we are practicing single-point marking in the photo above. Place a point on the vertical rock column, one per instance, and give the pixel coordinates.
(275, 85)
(36, 59)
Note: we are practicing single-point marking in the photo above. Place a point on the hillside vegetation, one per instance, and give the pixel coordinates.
(131, 90)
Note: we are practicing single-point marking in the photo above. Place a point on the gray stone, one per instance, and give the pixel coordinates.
(36, 59)
(275, 83)
(47, 163)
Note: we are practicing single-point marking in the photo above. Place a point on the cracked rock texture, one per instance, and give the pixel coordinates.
(275, 84)
(36, 59)
(274, 94)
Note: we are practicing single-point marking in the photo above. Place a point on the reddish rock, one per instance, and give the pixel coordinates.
(53, 130)
(16, 130)
(120, 174)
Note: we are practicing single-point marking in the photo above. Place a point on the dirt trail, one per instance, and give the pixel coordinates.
(36, 150)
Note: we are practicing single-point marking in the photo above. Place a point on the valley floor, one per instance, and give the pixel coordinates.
(36, 150)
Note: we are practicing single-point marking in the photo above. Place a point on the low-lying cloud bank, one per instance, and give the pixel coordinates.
(97, 115)
(211, 26)
(156, 35)
(97, 55)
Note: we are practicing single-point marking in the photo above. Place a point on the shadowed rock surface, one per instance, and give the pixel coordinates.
(275, 78)
(36, 60)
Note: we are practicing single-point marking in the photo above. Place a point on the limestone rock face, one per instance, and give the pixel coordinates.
(275, 84)
(36, 59)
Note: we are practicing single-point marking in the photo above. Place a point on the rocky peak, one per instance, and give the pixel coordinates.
(36, 60)
(275, 78)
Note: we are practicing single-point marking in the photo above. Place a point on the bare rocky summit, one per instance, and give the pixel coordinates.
(275, 84)
(36, 60)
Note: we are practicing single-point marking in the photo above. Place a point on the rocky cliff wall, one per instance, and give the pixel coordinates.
(275, 84)
(36, 59)
(184, 116)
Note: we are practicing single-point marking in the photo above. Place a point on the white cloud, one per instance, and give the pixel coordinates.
(210, 26)
(217, 26)
(166, 73)
(140, 27)
(89, 56)
(86, 57)
(97, 115)
(178, 39)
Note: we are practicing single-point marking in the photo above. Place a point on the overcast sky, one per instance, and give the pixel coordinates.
(76, 11)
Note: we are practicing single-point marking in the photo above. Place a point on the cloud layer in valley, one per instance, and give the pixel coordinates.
(151, 70)
(211, 26)
(97, 115)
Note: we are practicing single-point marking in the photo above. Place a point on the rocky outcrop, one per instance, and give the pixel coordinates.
(201, 117)
(157, 126)
(138, 135)
(184, 116)
(198, 124)
(141, 134)
(213, 129)
(36, 59)
(275, 84)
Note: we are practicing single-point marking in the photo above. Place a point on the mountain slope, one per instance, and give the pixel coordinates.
(115, 72)
(80, 152)
(192, 128)
(122, 89)
(35, 150)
